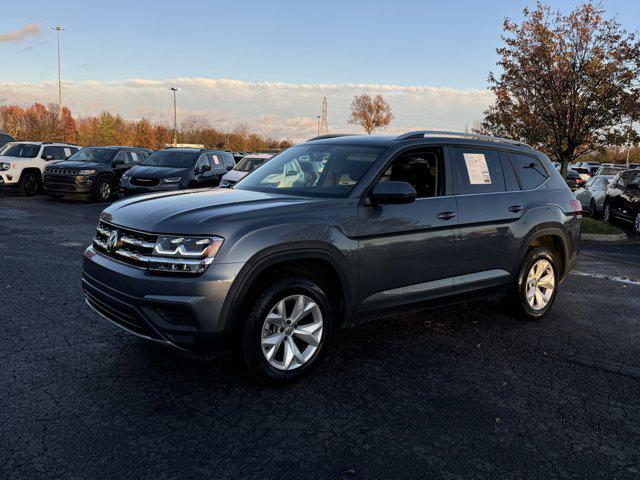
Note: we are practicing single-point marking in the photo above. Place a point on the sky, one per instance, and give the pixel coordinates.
(266, 64)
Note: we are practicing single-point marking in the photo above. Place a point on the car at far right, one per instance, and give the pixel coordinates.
(244, 167)
(622, 201)
(593, 193)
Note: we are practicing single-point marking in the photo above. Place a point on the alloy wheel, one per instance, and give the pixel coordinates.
(30, 184)
(105, 191)
(540, 285)
(291, 332)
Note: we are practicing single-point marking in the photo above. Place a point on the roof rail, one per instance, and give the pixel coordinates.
(470, 136)
(331, 135)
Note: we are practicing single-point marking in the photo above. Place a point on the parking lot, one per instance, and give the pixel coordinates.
(461, 392)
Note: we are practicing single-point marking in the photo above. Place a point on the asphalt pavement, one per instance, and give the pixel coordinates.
(461, 392)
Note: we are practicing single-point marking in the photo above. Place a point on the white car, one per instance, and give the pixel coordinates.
(244, 167)
(22, 163)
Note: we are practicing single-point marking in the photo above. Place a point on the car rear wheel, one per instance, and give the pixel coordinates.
(103, 189)
(286, 330)
(30, 184)
(593, 210)
(537, 284)
(636, 224)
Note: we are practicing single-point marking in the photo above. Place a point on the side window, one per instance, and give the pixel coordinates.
(510, 179)
(68, 151)
(422, 169)
(592, 184)
(228, 160)
(56, 152)
(215, 160)
(530, 170)
(476, 170)
(121, 158)
(204, 160)
(134, 157)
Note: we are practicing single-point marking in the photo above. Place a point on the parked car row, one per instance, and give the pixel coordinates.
(64, 170)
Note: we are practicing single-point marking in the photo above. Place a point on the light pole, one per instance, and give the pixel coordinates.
(175, 117)
(318, 125)
(59, 29)
(628, 142)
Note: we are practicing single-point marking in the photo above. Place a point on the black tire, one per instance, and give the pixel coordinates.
(636, 224)
(518, 297)
(593, 210)
(255, 315)
(103, 189)
(30, 183)
(607, 214)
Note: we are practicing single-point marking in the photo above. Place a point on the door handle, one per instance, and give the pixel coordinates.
(515, 208)
(446, 215)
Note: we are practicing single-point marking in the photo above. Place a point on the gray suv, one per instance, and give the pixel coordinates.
(327, 232)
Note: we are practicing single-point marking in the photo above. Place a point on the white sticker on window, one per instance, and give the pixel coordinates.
(477, 169)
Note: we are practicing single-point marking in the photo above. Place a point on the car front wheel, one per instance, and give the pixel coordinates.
(537, 283)
(286, 330)
(30, 184)
(103, 189)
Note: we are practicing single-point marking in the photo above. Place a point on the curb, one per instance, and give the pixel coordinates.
(601, 237)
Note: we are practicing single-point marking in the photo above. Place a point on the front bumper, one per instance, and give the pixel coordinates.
(8, 179)
(181, 311)
(68, 185)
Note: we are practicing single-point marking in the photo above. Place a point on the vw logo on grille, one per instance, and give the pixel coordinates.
(113, 241)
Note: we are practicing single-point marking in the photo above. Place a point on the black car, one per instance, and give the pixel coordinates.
(623, 199)
(327, 232)
(91, 171)
(574, 180)
(5, 138)
(177, 169)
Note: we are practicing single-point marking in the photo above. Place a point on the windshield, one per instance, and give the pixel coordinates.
(171, 159)
(318, 170)
(22, 150)
(93, 154)
(249, 164)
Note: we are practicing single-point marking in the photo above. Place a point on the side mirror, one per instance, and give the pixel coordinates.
(47, 158)
(393, 192)
(117, 162)
(205, 168)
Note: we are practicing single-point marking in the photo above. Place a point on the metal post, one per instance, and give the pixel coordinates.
(175, 117)
(59, 29)
(318, 125)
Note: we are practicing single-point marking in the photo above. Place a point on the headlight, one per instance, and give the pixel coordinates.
(185, 254)
(5, 166)
(125, 176)
(172, 179)
(88, 171)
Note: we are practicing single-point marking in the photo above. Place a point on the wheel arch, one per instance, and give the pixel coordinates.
(552, 237)
(292, 257)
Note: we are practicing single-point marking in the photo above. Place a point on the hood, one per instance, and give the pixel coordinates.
(76, 164)
(234, 175)
(200, 212)
(150, 171)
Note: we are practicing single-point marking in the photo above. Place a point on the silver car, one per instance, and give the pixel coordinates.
(592, 195)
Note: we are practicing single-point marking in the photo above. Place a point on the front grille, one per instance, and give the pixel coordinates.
(61, 171)
(144, 182)
(138, 249)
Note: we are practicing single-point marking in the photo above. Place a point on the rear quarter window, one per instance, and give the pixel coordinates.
(476, 170)
(529, 169)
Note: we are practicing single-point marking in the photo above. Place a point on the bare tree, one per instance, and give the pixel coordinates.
(370, 113)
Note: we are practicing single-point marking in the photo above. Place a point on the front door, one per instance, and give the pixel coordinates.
(407, 250)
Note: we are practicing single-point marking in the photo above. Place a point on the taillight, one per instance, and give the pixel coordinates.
(577, 208)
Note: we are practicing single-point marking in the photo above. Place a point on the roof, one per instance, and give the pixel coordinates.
(421, 138)
(258, 155)
(46, 143)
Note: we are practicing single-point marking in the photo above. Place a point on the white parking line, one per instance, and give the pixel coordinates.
(613, 278)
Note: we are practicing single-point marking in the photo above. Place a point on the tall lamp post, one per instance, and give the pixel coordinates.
(59, 29)
(318, 125)
(175, 117)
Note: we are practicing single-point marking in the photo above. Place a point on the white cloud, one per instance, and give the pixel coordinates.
(31, 30)
(282, 110)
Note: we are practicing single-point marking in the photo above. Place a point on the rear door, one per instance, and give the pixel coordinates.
(122, 162)
(407, 251)
(490, 204)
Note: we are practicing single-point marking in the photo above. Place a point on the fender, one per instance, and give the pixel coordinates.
(556, 230)
(280, 253)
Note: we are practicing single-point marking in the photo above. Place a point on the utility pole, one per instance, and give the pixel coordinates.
(59, 29)
(628, 142)
(175, 117)
(324, 127)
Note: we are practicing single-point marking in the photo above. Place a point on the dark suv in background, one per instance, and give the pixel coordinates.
(275, 264)
(91, 171)
(177, 169)
(623, 199)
